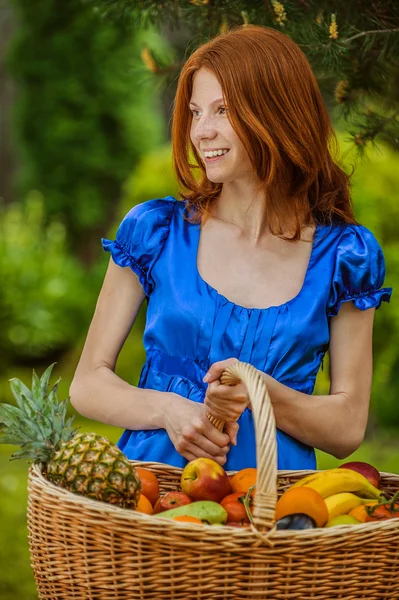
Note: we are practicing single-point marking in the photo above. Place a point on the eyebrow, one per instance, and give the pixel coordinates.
(214, 102)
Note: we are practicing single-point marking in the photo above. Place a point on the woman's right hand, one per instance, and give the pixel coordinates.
(192, 433)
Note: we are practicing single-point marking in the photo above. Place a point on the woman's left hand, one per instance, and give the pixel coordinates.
(225, 402)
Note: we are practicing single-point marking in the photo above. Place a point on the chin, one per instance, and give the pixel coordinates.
(217, 177)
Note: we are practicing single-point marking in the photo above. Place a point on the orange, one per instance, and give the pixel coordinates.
(234, 508)
(302, 500)
(149, 484)
(360, 513)
(187, 519)
(144, 506)
(381, 513)
(243, 480)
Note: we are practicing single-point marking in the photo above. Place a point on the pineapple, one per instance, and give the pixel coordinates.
(83, 463)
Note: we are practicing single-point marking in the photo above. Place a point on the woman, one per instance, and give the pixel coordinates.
(261, 261)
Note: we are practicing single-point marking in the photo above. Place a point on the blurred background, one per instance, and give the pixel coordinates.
(86, 96)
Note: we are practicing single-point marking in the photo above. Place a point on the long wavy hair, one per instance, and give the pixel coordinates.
(276, 109)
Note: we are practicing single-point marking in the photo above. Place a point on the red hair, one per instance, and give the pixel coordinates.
(276, 109)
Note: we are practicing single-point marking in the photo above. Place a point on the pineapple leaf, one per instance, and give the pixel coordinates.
(11, 438)
(28, 429)
(23, 396)
(37, 395)
(9, 414)
(52, 397)
(37, 451)
(45, 424)
(58, 425)
(20, 454)
(67, 432)
(45, 378)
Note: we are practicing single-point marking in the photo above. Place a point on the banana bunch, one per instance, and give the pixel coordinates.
(342, 489)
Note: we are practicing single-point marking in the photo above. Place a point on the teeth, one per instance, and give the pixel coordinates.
(215, 153)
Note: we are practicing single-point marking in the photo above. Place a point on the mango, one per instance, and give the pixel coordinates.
(206, 510)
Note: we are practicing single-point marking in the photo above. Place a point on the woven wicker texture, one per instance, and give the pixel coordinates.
(84, 549)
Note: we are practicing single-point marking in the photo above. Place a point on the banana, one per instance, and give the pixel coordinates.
(334, 481)
(342, 503)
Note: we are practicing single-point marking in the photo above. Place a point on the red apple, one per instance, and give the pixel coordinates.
(171, 500)
(205, 479)
(368, 471)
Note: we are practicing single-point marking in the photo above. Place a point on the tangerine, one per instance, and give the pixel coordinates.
(144, 506)
(187, 519)
(360, 513)
(302, 500)
(149, 484)
(235, 508)
(381, 513)
(243, 480)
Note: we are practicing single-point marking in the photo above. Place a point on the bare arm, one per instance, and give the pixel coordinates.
(334, 423)
(96, 391)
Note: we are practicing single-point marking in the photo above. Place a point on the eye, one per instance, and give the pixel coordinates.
(194, 111)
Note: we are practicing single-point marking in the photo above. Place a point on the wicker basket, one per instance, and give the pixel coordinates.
(83, 549)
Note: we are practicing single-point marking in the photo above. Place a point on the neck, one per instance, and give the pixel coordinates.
(243, 208)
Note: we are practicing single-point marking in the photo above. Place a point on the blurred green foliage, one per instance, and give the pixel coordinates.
(375, 186)
(376, 198)
(82, 118)
(47, 300)
(153, 177)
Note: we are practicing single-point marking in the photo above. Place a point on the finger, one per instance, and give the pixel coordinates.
(228, 392)
(232, 429)
(198, 437)
(199, 452)
(214, 435)
(227, 412)
(211, 448)
(203, 429)
(217, 369)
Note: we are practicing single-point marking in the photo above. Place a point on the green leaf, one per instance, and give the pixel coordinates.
(11, 438)
(45, 378)
(38, 397)
(45, 424)
(52, 397)
(9, 414)
(37, 451)
(29, 429)
(23, 396)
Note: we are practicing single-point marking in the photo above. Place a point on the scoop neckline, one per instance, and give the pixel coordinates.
(215, 292)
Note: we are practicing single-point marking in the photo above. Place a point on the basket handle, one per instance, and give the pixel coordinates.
(265, 429)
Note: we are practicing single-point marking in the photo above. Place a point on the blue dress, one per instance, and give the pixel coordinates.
(189, 325)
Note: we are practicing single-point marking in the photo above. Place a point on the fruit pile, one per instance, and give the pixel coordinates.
(207, 495)
(348, 495)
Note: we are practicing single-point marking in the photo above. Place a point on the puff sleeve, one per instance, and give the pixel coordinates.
(359, 271)
(140, 238)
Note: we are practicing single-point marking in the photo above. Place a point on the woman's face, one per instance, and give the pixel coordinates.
(211, 130)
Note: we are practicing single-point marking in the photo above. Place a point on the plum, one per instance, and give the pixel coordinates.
(296, 521)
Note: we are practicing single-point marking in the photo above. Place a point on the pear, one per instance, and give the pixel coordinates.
(342, 520)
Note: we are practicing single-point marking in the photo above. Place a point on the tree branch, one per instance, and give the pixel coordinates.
(358, 35)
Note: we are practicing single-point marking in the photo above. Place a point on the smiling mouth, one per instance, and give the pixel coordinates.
(215, 158)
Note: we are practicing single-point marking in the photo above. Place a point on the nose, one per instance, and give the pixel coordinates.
(205, 128)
